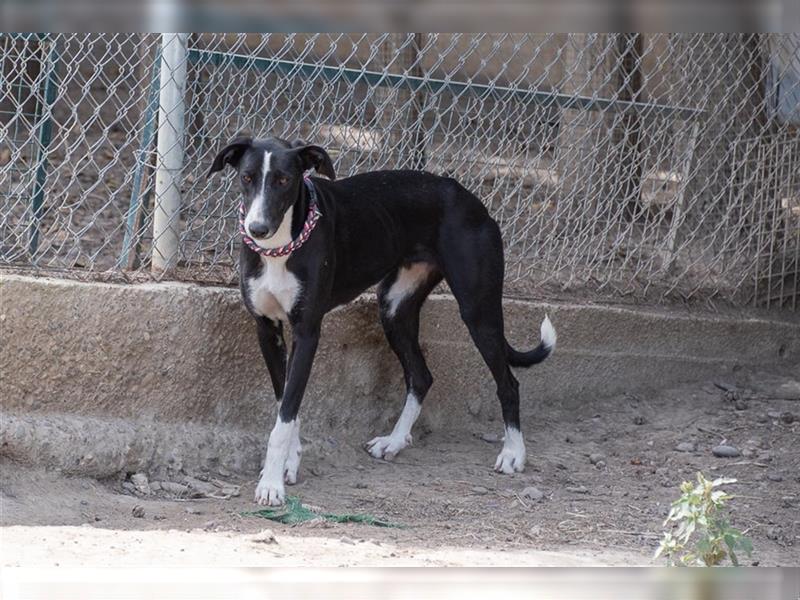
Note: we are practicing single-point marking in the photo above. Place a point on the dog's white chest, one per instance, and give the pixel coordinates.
(274, 292)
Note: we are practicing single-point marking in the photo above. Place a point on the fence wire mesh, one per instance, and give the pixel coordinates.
(637, 166)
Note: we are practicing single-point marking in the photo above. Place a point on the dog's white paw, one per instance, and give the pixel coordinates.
(509, 462)
(292, 465)
(387, 446)
(270, 493)
(512, 457)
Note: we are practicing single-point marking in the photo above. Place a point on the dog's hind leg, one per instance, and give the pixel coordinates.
(473, 267)
(401, 296)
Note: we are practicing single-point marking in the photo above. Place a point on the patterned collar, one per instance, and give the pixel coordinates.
(311, 222)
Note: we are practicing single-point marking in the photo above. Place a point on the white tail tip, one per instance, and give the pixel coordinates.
(548, 333)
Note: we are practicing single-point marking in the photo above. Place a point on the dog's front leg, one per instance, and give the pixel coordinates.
(270, 489)
(273, 349)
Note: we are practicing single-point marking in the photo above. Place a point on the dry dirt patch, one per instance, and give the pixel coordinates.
(605, 472)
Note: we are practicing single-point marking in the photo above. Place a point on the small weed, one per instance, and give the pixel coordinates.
(702, 536)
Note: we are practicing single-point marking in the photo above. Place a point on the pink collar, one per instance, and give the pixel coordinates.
(311, 222)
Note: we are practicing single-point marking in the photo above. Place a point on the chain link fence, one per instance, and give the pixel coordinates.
(619, 166)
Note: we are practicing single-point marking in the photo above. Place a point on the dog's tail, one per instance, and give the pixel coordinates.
(538, 354)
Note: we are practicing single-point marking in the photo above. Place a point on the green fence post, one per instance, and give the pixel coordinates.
(44, 136)
(137, 197)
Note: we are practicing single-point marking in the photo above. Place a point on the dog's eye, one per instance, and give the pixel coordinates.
(247, 178)
(282, 179)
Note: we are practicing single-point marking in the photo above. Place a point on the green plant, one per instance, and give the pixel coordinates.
(702, 537)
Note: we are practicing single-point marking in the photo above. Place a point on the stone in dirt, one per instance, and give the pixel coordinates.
(578, 489)
(532, 493)
(777, 477)
(175, 488)
(138, 511)
(685, 447)
(491, 438)
(723, 451)
(596, 457)
(139, 481)
(265, 536)
(479, 489)
(788, 418)
(725, 386)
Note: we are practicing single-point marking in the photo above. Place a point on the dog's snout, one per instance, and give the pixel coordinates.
(258, 230)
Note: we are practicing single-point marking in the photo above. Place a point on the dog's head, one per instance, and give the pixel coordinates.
(271, 175)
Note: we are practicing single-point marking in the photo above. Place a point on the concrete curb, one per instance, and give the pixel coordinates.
(182, 356)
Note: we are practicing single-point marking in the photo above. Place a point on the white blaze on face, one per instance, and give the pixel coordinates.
(258, 208)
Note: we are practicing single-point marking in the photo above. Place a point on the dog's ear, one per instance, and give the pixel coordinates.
(230, 154)
(316, 158)
(298, 143)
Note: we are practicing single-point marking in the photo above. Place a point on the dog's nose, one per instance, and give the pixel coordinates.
(258, 229)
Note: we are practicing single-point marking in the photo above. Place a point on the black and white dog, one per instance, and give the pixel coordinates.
(312, 244)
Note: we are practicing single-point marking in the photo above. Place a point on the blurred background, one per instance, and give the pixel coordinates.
(632, 167)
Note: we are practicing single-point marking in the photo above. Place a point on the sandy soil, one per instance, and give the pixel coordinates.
(604, 510)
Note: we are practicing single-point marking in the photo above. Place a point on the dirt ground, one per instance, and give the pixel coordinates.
(607, 473)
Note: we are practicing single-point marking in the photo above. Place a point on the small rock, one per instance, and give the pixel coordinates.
(579, 489)
(138, 511)
(765, 456)
(491, 438)
(209, 525)
(725, 386)
(532, 493)
(175, 488)
(596, 457)
(639, 420)
(129, 487)
(762, 418)
(686, 447)
(788, 418)
(265, 536)
(159, 517)
(199, 486)
(347, 540)
(723, 451)
(573, 438)
(139, 481)
(360, 485)
(788, 391)
(747, 453)
(600, 464)
(193, 511)
(773, 414)
(777, 477)
(740, 404)
(155, 486)
(84, 503)
(479, 489)
(772, 533)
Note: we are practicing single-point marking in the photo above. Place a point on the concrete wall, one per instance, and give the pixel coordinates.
(171, 373)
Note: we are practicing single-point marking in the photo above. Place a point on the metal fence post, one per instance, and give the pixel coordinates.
(45, 134)
(166, 214)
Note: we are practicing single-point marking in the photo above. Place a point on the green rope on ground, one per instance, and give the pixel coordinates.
(294, 512)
